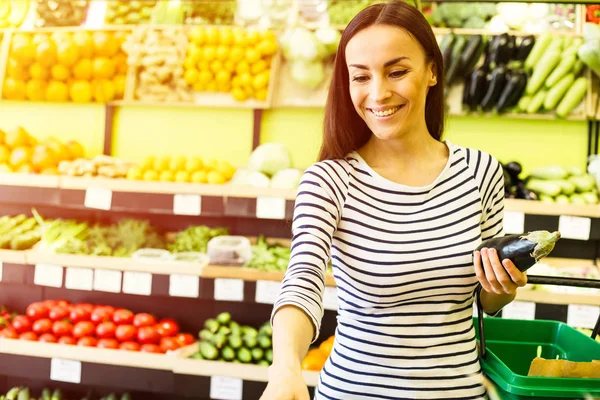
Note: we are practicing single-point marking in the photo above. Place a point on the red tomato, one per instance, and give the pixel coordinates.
(168, 344)
(42, 326)
(83, 328)
(37, 311)
(67, 340)
(167, 328)
(108, 344)
(129, 346)
(63, 303)
(184, 339)
(148, 335)
(87, 341)
(58, 313)
(143, 319)
(106, 330)
(21, 324)
(150, 348)
(47, 338)
(101, 314)
(62, 328)
(49, 303)
(79, 314)
(8, 333)
(28, 336)
(122, 317)
(126, 333)
(85, 306)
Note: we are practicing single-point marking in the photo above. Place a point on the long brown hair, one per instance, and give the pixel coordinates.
(344, 130)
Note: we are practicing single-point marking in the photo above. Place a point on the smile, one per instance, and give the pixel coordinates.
(385, 113)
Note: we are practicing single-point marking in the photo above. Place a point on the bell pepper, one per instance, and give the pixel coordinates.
(593, 13)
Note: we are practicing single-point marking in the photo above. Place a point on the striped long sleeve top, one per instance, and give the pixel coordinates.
(402, 262)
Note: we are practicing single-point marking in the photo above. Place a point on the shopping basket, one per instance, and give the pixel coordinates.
(507, 348)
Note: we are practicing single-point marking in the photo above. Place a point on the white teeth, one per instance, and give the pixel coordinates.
(386, 112)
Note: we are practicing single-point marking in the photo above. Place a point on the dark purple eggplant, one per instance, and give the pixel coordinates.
(499, 51)
(497, 81)
(512, 91)
(523, 193)
(465, 96)
(514, 169)
(477, 87)
(524, 48)
(523, 250)
(471, 54)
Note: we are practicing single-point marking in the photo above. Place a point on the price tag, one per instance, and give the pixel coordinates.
(580, 316)
(137, 283)
(229, 289)
(270, 207)
(1, 269)
(98, 198)
(65, 370)
(514, 222)
(187, 204)
(79, 278)
(225, 388)
(267, 291)
(330, 299)
(184, 285)
(524, 310)
(107, 280)
(574, 227)
(48, 275)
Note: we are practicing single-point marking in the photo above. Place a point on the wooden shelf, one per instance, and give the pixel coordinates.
(540, 208)
(33, 180)
(251, 275)
(12, 256)
(544, 297)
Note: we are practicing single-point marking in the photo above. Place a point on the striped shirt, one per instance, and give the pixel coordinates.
(402, 261)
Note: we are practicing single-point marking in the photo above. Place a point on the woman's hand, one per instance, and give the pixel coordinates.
(496, 276)
(285, 384)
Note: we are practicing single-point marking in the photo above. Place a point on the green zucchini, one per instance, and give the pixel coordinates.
(212, 325)
(566, 187)
(537, 101)
(564, 67)
(523, 103)
(577, 199)
(545, 199)
(538, 50)
(546, 65)
(540, 187)
(562, 199)
(583, 183)
(590, 197)
(550, 172)
(578, 67)
(573, 97)
(558, 91)
(13, 393)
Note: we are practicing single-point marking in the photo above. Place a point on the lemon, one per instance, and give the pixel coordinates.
(198, 35)
(211, 86)
(236, 54)
(252, 38)
(252, 55)
(227, 38)
(162, 163)
(205, 77)
(199, 87)
(148, 162)
(261, 95)
(189, 63)
(242, 67)
(204, 65)
(258, 67)
(216, 66)
(134, 173)
(223, 76)
(191, 76)
(249, 91)
(194, 164)
(199, 177)
(267, 47)
(224, 87)
(235, 82)
(195, 53)
(226, 169)
(229, 66)
(245, 79)
(166, 176)
(215, 178)
(150, 175)
(211, 165)
(182, 176)
(178, 163)
(268, 35)
(212, 35)
(239, 94)
(261, 81)
(209, 53)
(239, 38)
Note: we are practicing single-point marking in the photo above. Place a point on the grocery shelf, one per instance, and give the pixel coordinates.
(247, 274)
(32, 180)
(12, 256)
(540, 208)
(544, 297)
(489, 32)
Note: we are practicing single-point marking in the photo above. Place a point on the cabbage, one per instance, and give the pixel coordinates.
(308, 74)
(270, 158)
(589, 51)
(286, 179)
(244, 177)
(302, 44)
(330, 38)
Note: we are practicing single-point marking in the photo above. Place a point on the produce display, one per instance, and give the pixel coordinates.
(19, 232)
(342, 11)
(157, 55)
(25, 393)
(101, 326)
(13, 13)
(462, 15)
(124, 12)
(269, 165)
(80, 67)
(223, 339)
(592, 14)
(195, 239)
(316, 357)
(589, 51)
(269, 257)
(22, 152)
(60, 12)
(556, 184)
(209, 12)
(514, 185)
(231, 60)
(182, 169)
(101, 165)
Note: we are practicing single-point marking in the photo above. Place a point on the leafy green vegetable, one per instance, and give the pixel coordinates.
(267, 257)
(195, 238)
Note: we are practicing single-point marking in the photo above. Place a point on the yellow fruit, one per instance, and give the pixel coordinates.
(261, 81)
(242, 67)
(193, 164)
(148, 162)
(204, 65)
(215, 178)
(239, 94)
(14, 89)
(67, 53)
(23, 52)
(120, 61)
(211, 165)
(252, 38)
(105, 44)
(198, 35)
(258, 67)
(60, 36)
(81, 91)
(177, 163)
(249, 91)
(150, 175)
(236, 54)
(222, 53)
(182, 176)
(229, 66)
(211, 86)
(227, 38)
(46, 53)
(134, 173)
(261, 94)
(209, 53)
(235, 82)
(104, 91)
(199, 177)
(76, 150)
(57, 91)
(212, 35)
(16, 137)
(267, 47)
(224, 87)
(225, 169)
(36, 90)
(216, 66)
(43, 157)
(4, 154)
(85, 44)
(199, 87)
(162, 163)
(166, 176)
(16, 71)
(83, 69)
(223, 76)
(195, 53)
(103, 68)
(20, 156)
(5, 168)
(252, 55)
(205, 77)
(60, 72)
(38, 71)
(245, 79)
(39, 38)
(119, 82)
(188, 63)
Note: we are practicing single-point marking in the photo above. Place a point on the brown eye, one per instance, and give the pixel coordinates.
(397, 74)
(360, 78)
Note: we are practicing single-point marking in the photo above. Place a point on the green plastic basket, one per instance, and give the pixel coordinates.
(513, 344)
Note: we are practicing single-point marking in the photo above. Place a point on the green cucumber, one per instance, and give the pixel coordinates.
(536, 102)
(208, 351)
(205, 334)
(541, 187)
(590, 197)
(13, 393)
(112, 396)
(244, 355)
(558, 91)
(126, 396)
(573, 97)
(566, 187)
(235, 328)
(584, 183)
(197, 356)
(538, 50)
(541, 71)
(546, 199)
(577, 199)
(563, 68)
(219, 340)
(224, 330)
(524, 103)
(578, 67)
(224, 318)
(549, 172)
(24, 394)
(568, 42)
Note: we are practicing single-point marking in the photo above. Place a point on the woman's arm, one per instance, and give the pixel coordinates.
(292, 334)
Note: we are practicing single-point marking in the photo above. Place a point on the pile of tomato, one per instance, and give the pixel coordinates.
(82, 324)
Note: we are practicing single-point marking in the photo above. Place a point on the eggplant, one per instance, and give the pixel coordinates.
(455, 59)
(524, 48)
(446, 49)
(523, 250)
(514, 169)
(497, 81)
(471, 54)
(523, 193)
(513, 90)
(500, 50)
(466, 100)
(511, 49)
(477, 87)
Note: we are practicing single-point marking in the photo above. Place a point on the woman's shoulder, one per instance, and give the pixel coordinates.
(479, 161)
(337, 170)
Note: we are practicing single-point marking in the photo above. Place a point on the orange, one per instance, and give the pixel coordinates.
(326, 346)
(23, 52)
(16, 71)
(43, 157)
(60, 72)
(2, 136)
(83, 69)
(68, 53)
(46, 53)
(120, 61)
(105, 44)
(20, 156)
(119, 82)
(14, 89)
(36, 90)
(16, 137)
(103, 68)
(60, 151)
(57, 91)
(85, 44)
(104, 91)
(4, 154)
(76, 149)
(81, 91)
(314, 360)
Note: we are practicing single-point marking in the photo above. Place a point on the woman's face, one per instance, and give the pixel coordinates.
(389, 80)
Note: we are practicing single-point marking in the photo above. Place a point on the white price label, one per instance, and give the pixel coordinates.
(574, 227)
(267, 291)
(187, 204)
(330, 299)
(580, 316)
(107, 280)
(225, 388)
(270, 207)
(514, 222)
(1, 270)
(184, 285)
(79, 278)
(524, 310)
(229, 289)
(48, 275)
(65, 370)
(98, 198)
(137, 283)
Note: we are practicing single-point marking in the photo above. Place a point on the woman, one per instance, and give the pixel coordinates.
(399, 213)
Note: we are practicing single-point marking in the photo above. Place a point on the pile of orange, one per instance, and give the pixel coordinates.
(81, 67)
(182, 169)
(21, 152)
(315, 358)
